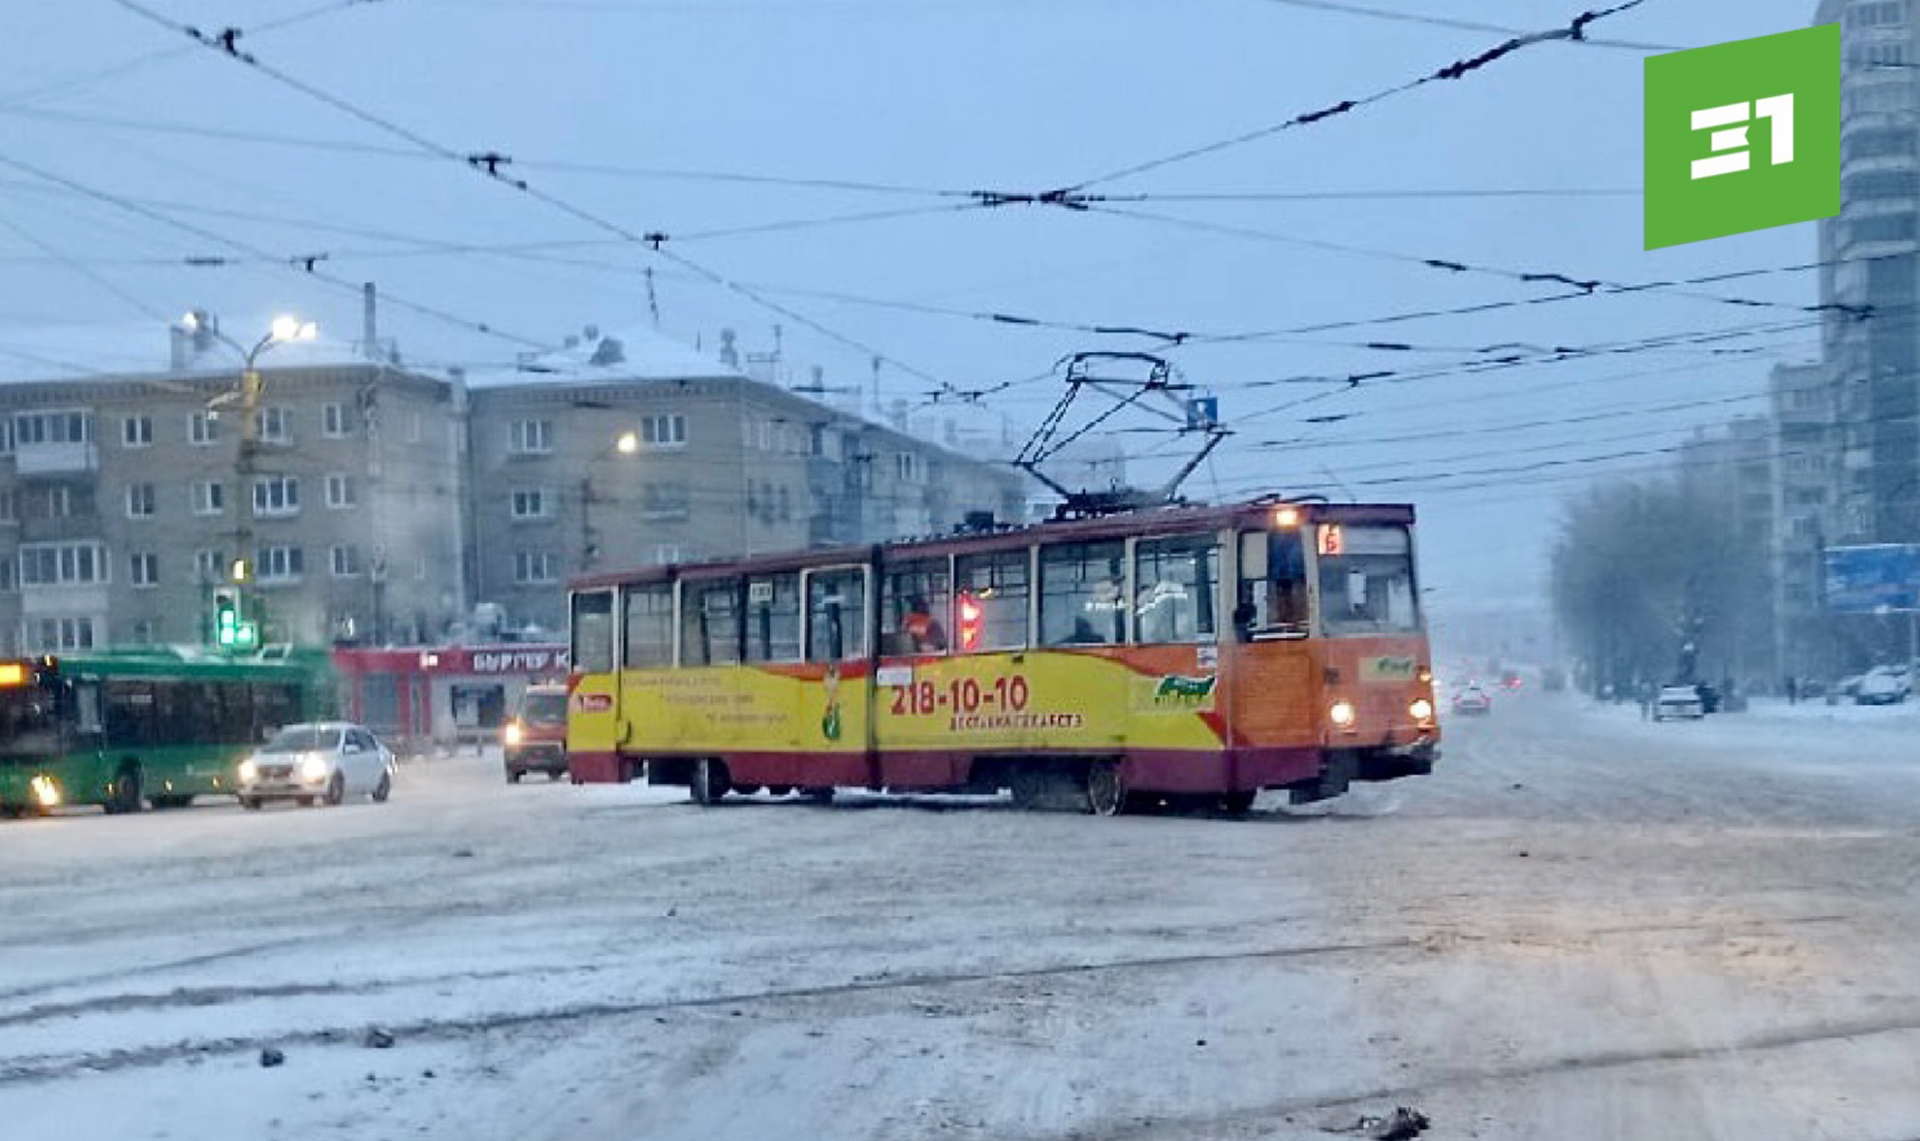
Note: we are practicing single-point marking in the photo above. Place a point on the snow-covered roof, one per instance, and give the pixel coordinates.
(44, 353)
(607, 357)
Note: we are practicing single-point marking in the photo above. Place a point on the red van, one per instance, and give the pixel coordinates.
(534, 739)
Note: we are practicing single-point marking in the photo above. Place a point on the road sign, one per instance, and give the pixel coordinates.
(1882, 578)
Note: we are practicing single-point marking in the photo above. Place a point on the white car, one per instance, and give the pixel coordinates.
(1882, 685)
(1683, 701)
(319, 760)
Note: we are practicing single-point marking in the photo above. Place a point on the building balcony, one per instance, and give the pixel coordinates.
(55, 459)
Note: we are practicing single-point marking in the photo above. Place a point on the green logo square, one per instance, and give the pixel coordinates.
(1743, 136)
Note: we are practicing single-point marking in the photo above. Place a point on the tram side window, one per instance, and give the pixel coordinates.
(592, 623)
(710, 623)
(1174, 584)
(274, 706)
(649, 627)
(1081, 600)
(773, 618)
(1272, 597)
(837, 615)
(990, 602)
(914, 600)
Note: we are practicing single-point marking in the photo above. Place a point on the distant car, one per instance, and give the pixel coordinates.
(317, 761)
(535, 738)
(1472, 701)
(1846, 689)
(1510, 680)
(1882, 685)
(1683, 702)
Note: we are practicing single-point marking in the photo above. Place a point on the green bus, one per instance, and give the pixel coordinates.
(159, 725)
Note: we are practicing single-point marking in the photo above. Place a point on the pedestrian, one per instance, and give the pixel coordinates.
(1793, 690)
(1646, 701)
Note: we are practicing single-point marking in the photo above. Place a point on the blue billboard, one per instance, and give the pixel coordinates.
(1873, 579)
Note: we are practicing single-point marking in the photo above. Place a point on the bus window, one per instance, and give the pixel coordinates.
(710, 623)
(773, 618)
(836, 614)
(1080, 594)
(913, 608)
(592, 636)
(990, 601)
(1174, 584)
(1272, 597)
(649, 627)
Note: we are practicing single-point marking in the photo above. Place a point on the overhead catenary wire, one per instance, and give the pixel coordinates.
(496, 167)
(354, 287)
(1574, 29)
(1435, 21)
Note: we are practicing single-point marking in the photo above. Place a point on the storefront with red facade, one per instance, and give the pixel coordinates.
(441, 697)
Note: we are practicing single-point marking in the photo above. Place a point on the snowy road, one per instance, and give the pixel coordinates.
(1583, 926)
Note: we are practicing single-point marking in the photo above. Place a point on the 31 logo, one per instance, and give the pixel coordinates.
(1742, 136)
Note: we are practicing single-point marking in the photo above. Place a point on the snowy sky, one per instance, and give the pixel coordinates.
(624, 110)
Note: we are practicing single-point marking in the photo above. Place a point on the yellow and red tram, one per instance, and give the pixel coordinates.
(1169, 653)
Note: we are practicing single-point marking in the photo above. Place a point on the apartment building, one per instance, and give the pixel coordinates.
(123, 506)
(384, 504)
(622, 450)
(1868, 252)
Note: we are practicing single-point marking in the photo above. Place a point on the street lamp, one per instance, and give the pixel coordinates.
(625, 444)
(283, 329)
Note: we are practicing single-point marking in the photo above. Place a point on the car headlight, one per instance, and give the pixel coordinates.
(1341, 713)
(313, 768)
(1421, 709)
(45, 792)
(514, 734)
(249, 771)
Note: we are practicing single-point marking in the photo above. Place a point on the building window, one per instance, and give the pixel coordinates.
(276, 495)
(336, 423)
(137, 431)
(9, 576)
(9, 506)
(52, 428)
(210, 564)
(56, 503)
(667, 554)
(62, 564)
(668, 430)
(532, 503)
(910, 467)
(202, 429)
(413, 427)
(340, 491)
(530, 437)
(51, 635)
(209, 497)
(145, 569)
(143, 632)
(534, 566)
(279, 564)
(669, 500)
(346, 561)
(140, 501)
(274, 425)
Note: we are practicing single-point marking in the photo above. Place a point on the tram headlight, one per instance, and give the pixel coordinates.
(45, 792)
(1341, 714)
(1422, 709)
(248, 772)
(513, 734)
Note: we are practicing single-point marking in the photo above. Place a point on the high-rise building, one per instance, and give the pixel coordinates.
(1872, 346)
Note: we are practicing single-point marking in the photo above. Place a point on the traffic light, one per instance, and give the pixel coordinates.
(226, 617)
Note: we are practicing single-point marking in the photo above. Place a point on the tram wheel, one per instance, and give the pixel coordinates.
(710, 782)
(1027, 786)
(1238, 803)
(1106, 789)
(779, 790)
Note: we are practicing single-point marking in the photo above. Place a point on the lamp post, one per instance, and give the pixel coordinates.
(626, 444)
(283, 329)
